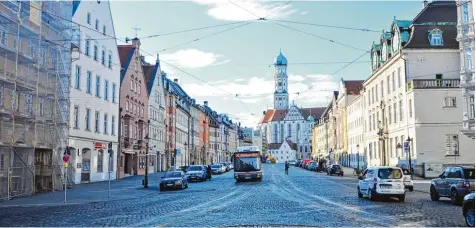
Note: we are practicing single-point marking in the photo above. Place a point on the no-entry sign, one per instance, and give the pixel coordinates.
(65, 158)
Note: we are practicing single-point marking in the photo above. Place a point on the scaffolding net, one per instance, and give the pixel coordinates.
(35, 69)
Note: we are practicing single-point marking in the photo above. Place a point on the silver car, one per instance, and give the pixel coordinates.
(455, 182)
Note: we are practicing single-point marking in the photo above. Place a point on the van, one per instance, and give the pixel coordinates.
(383, 181)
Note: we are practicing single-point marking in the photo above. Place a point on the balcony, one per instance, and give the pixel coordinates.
(433, 84)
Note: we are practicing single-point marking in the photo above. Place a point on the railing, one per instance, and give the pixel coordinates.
(433, 84)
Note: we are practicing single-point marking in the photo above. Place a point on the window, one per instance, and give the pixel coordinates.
(3, 37)
(95, 51)
(138, 89)
(88, 19)
(98, 84)
(105, 124)
(106, 90)
(469, 61)
(394, 112)
(436, 37)
(451, 145)
(450, 102)
(389, 114)
(376, 92)
(127, 105)
(97, 24)
(113, 92)
(132, 85)
(86, 48)
(104, 30)
(113, 125)
(103, 56)
(88, 82)
(388, 84)
(381, 88)
(100, 160)
(109, 63)
(393, 81)
(78, 77)
(96, 123)
(399, 77)
(400, 104)
(471, 106)
(76, 117)
(88, 119)
(43, 56)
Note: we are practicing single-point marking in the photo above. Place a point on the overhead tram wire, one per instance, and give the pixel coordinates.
(326, 26)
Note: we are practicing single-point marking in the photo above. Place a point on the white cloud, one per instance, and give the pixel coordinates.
(227, 11)
(296, 78)
(319, 77)
(246, 119)
(304, 13)
(239, 80)
(192, 58)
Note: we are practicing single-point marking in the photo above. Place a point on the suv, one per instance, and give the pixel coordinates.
(455, 182)
(382, 181)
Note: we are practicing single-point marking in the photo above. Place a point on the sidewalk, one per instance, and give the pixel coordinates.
(126, 188)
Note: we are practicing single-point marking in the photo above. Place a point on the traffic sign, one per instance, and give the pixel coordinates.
(65, 158)
(406, 146)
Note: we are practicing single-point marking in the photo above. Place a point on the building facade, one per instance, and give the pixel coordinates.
(283, 152)
(397, 93)
(355, 132)
(134, 116)
(94, 95)
(465, 38)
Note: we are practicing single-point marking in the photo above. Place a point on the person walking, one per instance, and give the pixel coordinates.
(209, 172)
(286, 167)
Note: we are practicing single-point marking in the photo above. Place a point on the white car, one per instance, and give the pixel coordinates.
(382, 181)
(408, 179)
(292, 162)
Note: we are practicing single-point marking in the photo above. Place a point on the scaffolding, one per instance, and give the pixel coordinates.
(35, 69)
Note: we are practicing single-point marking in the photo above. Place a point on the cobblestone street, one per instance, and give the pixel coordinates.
(301, 198)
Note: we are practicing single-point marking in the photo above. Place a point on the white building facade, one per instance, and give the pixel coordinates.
(282, 152)
(466, 47)
(94, 95)
(155, 90)
(412, 95)
(355, 132)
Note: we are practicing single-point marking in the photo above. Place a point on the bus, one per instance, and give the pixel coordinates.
(247, 163)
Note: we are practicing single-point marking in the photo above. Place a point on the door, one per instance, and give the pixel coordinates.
(86, 165)
(441, 182)
(362, 185)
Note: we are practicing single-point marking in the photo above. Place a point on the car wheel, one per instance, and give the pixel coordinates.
(455, 199)
(372, 195)
(433, 194)
(359, 193)
(469, 215)
(161, 189)
(401, 198)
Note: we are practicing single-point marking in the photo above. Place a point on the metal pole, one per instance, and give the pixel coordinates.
(109, 185)
(146, 176)
(358, 160)
(410, 157)
(65, 180)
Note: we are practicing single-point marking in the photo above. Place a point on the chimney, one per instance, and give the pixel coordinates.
(157, 60)
(136, 43)
(176, 80)
(425, 3)
(205, 103)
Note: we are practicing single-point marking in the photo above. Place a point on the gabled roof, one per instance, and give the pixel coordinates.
(150, 72)
(126, 52)
(315, 112)
(353, 87)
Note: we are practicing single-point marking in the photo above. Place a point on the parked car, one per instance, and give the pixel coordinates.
(468, 209)
(298, 162)
(197, 173)
(173, 180)
(382, 181)
(292, 162)
(218, 169)
(335, 169)
(455, 182)
(408, 179)
(230, 164)
(312, 166)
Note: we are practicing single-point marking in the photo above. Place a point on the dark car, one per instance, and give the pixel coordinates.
(335, 169)
(196, 173)
(455, 182)
(173, 180)
(468, 209)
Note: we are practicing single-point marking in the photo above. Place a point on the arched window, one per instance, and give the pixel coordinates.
(300, 148)
(289, 130)
(298, 133)
(281, 133)
(305, 149)
(275, 133)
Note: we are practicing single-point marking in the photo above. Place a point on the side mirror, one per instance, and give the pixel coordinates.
(441, 175)
(360, 177)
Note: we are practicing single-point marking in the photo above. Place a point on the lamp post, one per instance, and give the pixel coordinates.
(409, 140)
(358, 157)
(146, 176)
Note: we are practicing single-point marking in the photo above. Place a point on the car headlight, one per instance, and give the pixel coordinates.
(178, 182)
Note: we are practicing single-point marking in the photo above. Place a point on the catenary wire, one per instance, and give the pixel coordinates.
(326, 26)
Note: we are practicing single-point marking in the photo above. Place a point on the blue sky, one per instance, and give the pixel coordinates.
(238, 61)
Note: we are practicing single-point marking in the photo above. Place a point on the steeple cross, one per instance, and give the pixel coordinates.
(137, 29)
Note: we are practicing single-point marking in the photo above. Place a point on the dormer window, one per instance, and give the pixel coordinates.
(436, 37)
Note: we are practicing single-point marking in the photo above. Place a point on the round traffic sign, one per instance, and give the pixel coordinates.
(65, 158)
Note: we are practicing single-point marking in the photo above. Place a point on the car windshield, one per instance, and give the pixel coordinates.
(406, 172)
(336, 167)
(247, 164)
(195, 168)
(390, 173)
(469, 173)
(216, 166)
(173, 174)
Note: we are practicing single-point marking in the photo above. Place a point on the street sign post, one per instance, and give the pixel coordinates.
(406, 147)
(66, 158)
(65, 177)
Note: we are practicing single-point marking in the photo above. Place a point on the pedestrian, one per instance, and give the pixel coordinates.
(286, 167)
(209, 172)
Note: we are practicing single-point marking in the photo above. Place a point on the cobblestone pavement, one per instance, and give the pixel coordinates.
(302, 198)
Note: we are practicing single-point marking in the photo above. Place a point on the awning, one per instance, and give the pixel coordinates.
(130, 151)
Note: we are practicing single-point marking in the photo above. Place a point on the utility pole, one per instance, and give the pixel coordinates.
(146, 176)
(111, 163)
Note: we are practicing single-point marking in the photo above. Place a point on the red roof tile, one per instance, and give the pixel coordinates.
(353, 87)
(124, 53)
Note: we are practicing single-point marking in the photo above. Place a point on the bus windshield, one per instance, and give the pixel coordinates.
(247, 164)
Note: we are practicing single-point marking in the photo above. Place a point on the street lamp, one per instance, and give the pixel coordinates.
(146, 176)
(409, 140)
(358, 157)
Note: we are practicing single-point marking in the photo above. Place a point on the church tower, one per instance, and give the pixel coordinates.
(281, 96)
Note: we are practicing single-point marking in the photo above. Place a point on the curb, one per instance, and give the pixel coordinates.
(66, 204)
